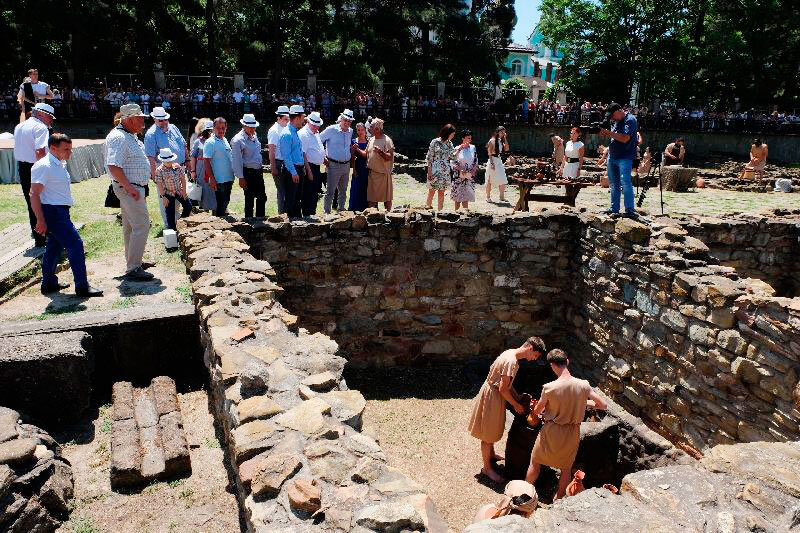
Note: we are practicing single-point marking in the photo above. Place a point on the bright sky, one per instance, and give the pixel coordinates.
(527, 17)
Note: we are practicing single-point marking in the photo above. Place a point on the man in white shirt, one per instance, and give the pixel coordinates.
(30, 145)
(275, 157)
(315, 155)
(41, 91)
(51, 201)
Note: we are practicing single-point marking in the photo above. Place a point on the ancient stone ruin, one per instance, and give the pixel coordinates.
(705, 355)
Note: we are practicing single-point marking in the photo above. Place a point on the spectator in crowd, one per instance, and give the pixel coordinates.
(558, 150)
(621, 154)
(170, 180)
(51, 200)
(160, 135)
(275, 156)
(218, 161)
(360, 182)
(30, 145)
(758, 159)
(247, 166)
(315, 156)
(338, 141)
(462, 191)
(32, 91)
(130, 171)
(674, 153)
(573, 155)
(294, 162)
(208, 199)
(561, 409)
(495, 170)
(380, 159)
(440, 153)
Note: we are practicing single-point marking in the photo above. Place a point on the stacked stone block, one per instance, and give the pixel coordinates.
(147, 438)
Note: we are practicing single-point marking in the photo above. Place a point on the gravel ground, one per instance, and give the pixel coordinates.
(200, 503)
(420, 418)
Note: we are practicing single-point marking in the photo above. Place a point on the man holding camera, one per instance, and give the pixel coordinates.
(621, 154)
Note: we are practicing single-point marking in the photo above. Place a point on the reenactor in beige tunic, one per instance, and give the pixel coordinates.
(488, 419)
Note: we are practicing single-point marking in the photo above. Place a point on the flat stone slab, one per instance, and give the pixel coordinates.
(147, 438)
(59, 364)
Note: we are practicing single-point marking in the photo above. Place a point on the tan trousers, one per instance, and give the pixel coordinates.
(135, 225)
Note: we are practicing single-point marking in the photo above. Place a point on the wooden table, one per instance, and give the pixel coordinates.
(571, 188)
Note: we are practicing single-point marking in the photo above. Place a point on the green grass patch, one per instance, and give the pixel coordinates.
(185, 292)
(125, 302)
(82, 525)
(211, 443)
(105, 416)
(54, 313)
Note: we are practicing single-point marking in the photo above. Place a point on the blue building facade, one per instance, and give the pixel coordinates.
(534, 63)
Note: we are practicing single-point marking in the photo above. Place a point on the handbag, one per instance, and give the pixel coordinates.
(194, 191)
(111, 198)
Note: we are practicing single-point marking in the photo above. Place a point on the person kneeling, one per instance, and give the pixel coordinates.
(519, 498)
(51, 200)
(562, 408)
(171, 182)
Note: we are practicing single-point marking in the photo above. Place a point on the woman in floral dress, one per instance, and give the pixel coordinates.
(439, 154)
(465, 159)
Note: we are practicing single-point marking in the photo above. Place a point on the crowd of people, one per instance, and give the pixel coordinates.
(98, 101)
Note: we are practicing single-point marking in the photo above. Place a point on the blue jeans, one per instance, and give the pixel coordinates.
(619, 178)
(61, 234)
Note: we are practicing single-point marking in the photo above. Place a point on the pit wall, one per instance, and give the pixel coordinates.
(756, 246)
(704, 355)
(291, 427)
(413, 289)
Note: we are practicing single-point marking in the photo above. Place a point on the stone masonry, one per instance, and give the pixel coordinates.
(411, 288)
(147, 438)
(291, 426)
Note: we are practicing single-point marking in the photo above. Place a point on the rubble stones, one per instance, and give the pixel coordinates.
(36, 484)
(147, 437)
(305, 495)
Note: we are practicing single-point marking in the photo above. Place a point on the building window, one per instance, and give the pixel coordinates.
(516, 67)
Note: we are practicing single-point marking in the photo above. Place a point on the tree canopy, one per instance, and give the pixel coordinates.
(692, 51)
(358, 41)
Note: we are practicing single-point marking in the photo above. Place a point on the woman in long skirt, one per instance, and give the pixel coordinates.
(465, 161)
(209, 199)
(495, 170)
(358, 186)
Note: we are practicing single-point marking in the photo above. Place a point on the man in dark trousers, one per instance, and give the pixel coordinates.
(30, 145)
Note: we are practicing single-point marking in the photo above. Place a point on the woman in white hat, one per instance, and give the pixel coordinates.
(197, 163)
(171, 182)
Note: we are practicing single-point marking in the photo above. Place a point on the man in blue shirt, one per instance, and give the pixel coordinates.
(338, 141)
(621, 154)
(294, 162)
(160, 135)
(219, 165)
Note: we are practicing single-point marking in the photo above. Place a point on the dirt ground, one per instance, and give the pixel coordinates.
(420, 418)
(200, 503)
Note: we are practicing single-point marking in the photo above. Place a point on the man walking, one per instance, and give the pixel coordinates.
(130, 171)
(337, 139)
(219, 165)
(315, 156)
(294, 164)
(30, 145)
(160, 135)
(621, 154)
(246, 153)
(51, 200)
(275, 157)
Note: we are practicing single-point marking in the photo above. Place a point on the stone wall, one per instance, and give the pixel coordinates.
(292, 428)
(766, 248)
(705, 355)
(411, 289)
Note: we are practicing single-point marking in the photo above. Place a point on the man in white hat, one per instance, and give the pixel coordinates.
(315, 155)
(160, 135)
(294, 162)
(275, 157)
(246, 154)
(338, 141)
(30, 145)
(51, 199)
(130, 172)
